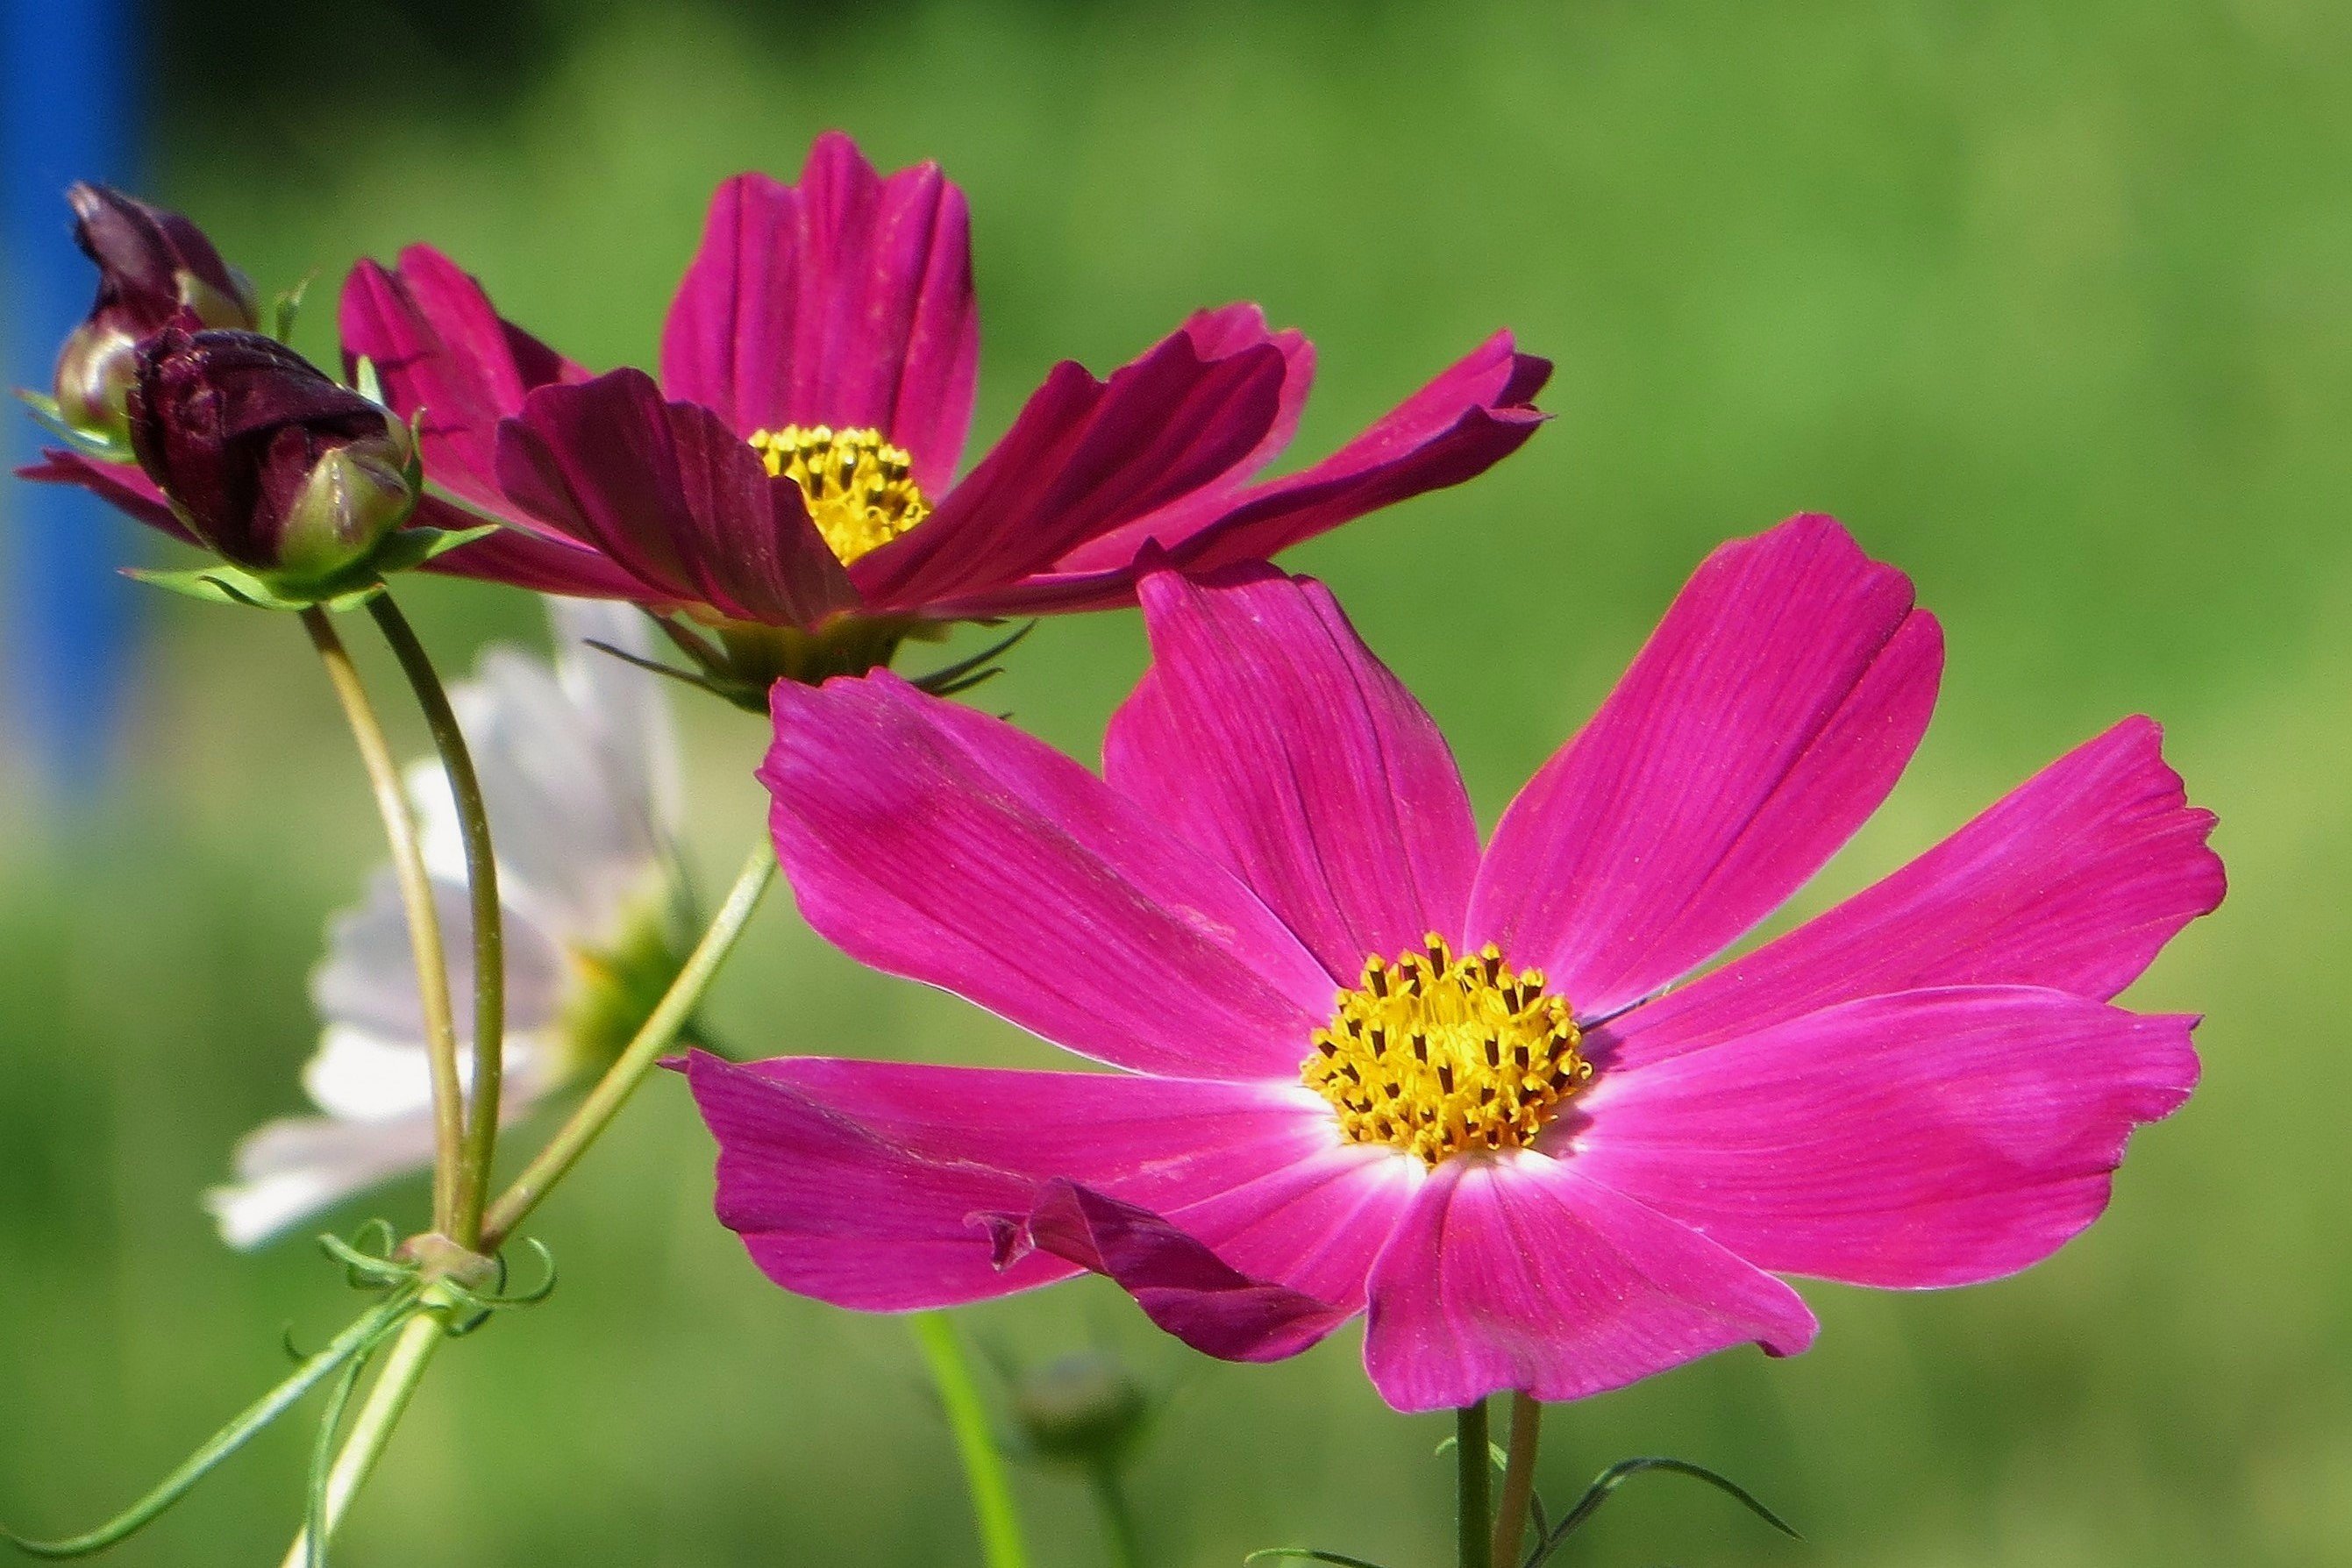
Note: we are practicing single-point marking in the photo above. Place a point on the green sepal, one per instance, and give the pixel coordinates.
(44, 409)
(402, 550)
(1623, 1470)
(286, 305)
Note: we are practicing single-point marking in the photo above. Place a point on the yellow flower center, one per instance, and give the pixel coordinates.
(860, 494)
(1442, 1056)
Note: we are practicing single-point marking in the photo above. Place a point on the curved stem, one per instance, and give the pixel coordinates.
(1518, 1478)
(387, 1401)
(359, 1339)
(416, 898)
(464, 1220)
(613, 1090)
(1124, 1548)
(1473, 1463)
(984, 1466)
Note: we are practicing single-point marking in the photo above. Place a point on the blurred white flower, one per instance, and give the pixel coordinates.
(578, 766)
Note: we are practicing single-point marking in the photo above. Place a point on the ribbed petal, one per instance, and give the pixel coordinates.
(1516, 1273)
(1767, 716)
(439, 346)
(1923, 1138)
(868, 1184)
(1084, 459)
(1182, 1285)
(1268, 734)
(668, 492)
(124, 486)
(1473, 414)
(843, 300)
(930, 841)
(2074, 880)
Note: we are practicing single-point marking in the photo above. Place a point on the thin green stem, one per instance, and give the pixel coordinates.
(1123, 1547)
(416, 898)
(1518, 1479)
(387, 1401)
(984, 1464)
(1473, 1465)
(481, 1142)
(360, 1337)
(594, 1113)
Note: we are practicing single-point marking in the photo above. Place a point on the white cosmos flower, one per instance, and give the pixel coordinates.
(579, 770)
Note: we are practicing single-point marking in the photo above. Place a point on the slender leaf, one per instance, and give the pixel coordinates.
(1623, 1470)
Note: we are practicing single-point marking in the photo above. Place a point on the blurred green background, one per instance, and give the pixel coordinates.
(2052, 303)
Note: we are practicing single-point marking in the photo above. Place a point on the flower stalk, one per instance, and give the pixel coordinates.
(1472, 1466)
(1519, 1478)
(416, 899)
(659, 1032)
(984, 1464)
(463, 1223)
(387, 1401)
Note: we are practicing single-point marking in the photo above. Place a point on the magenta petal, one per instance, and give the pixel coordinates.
(843, 300)
(930, 841)
(669, 493)
(2073, 880)
(1268, 734)
(1470, 417)
(1516, 1273)
(1181, 1285)
(828, 1209)
(1084, 459)
(438, 346)
(1925, 1139)
(1767, 716)
(522, 559)
(124, 486)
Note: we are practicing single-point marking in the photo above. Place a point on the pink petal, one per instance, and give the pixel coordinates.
(1085, 459)
(124, 486)
(1473, 414)
(1181, 1285)
(438, 345)
(870, 1179)
(1516, 1273)
(843, 301)
(522, 559)
(2073, 880)
(672, 496)
(1925, 1139)
(1268, 734)
(930, 841)
(1768, 715)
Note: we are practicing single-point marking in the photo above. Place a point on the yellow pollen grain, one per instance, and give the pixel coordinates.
(860, 491)
(1442, 1056)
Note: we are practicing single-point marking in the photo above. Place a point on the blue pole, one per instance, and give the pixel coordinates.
(65, 113)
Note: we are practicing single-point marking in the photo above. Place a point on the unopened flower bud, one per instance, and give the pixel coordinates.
(269, 462)
(1082, 1410)
(155, 268)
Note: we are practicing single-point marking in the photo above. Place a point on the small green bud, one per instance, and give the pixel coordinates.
(1082, 1410)
(355, 495)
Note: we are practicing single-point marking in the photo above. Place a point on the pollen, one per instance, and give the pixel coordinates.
(860, 489)
(1442, 1056)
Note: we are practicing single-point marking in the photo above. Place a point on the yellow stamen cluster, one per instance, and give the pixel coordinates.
(860, 491)
(1442, 1056)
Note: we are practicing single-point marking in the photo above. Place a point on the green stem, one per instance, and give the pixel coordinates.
(481, 1142)
(360, 1337)
(984, 1466)
(387, 1401)
(1518, 1479)
(1473, 1465)
(1124, 1547)
(416, 898)
(594, 1113)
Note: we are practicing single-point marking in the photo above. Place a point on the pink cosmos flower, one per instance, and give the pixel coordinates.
(796, 463)
(1364, 1064)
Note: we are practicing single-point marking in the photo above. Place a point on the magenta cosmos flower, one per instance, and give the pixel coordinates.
(794, 465)
(1365, 1064)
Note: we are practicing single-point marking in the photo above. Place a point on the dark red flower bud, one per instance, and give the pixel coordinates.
(268, 461)
(153, 266)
